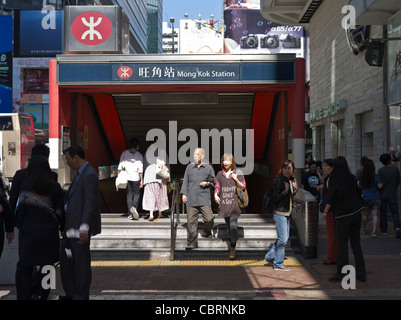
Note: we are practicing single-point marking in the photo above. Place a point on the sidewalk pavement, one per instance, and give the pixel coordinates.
(244, 278)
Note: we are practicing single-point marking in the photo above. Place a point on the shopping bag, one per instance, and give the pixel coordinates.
(122, 180)
(162, 169)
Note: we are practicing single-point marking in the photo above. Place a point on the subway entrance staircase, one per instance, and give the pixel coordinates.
(142, 239)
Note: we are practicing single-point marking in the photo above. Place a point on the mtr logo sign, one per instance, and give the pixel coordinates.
(91, 28)
(95, 29)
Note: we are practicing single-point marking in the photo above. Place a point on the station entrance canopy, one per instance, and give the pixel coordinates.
(100, 101)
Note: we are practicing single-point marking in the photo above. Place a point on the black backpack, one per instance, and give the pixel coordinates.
(268, 200)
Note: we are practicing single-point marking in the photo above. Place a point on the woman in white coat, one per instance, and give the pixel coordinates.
(155, 192)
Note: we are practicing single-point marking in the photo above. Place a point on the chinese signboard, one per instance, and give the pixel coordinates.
(153, 73)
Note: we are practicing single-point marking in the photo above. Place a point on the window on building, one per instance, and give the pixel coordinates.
(36, 81)
(367, 135)
(319, 143)
(341, 145)
(40, 117)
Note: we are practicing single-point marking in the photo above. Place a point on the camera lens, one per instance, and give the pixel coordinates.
(271, 42)
(252, 42)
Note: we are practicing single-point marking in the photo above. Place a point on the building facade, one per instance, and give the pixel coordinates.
(347, 102)
(355, 90)
(155, 26)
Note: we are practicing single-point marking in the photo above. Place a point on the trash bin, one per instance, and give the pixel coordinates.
(8, 261)
(306, 218)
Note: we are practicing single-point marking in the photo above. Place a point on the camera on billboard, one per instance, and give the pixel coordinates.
(249, 42)
(270, 41)
(290, 41)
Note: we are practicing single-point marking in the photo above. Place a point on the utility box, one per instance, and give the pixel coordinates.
(95, 29)
(306, 218)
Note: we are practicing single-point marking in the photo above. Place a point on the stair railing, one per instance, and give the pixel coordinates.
(174, 217)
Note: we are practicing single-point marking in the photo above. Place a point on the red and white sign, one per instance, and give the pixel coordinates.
(91, 28)
(124, 72)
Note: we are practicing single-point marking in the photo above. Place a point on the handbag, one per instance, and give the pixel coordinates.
(242, 197)
(122, 178)
(162, 169)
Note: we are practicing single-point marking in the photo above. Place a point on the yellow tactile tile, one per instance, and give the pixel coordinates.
(290, 261)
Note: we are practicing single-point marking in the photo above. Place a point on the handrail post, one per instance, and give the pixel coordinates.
(174, 211)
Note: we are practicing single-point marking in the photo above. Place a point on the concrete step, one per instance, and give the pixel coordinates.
(156, 242)
(126, 238)
(117, 218)
(219, 231)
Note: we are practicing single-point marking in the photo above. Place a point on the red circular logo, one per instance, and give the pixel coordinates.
(91, 28)
(124, 72)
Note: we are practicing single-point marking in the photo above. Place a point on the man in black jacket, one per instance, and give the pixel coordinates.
(18, 179)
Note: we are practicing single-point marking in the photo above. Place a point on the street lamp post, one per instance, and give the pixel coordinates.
(172, 29)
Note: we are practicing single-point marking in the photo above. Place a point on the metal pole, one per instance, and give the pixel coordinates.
(172, 27)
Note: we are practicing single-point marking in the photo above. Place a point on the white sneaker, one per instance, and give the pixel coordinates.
(134, 213)
(282, 268)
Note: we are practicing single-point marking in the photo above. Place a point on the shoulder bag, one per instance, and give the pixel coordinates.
(122, 178)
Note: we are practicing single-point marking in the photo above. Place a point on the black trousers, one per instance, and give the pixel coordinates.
(2, 235)
(28, 281)
(133, 194)
(75, 268)
(231, 223)
(348, 228)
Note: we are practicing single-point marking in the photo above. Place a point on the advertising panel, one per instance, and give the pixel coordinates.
(6, 58)
(201, 36)
(246, 31)
(38, 33)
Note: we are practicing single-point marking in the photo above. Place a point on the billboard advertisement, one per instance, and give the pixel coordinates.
(201, 36)
(6, 58)
(246, 31)
(38, 33)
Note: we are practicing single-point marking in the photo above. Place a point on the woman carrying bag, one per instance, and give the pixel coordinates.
(225, 195)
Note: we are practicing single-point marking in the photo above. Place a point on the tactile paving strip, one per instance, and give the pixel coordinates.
(289, 261)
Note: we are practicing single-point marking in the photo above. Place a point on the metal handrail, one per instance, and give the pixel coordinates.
(174, 221)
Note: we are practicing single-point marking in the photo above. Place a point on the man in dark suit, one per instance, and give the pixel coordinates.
(19, 178)
(82, 220)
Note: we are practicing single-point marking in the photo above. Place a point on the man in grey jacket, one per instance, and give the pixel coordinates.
(82, 220)
(198, 178)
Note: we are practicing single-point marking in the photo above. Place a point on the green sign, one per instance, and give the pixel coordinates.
(328, 110)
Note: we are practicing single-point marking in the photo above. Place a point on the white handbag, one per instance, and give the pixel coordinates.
(122, 178)
(162, 169)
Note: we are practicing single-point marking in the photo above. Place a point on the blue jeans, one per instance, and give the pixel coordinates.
(392, 204)
(276, 253)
